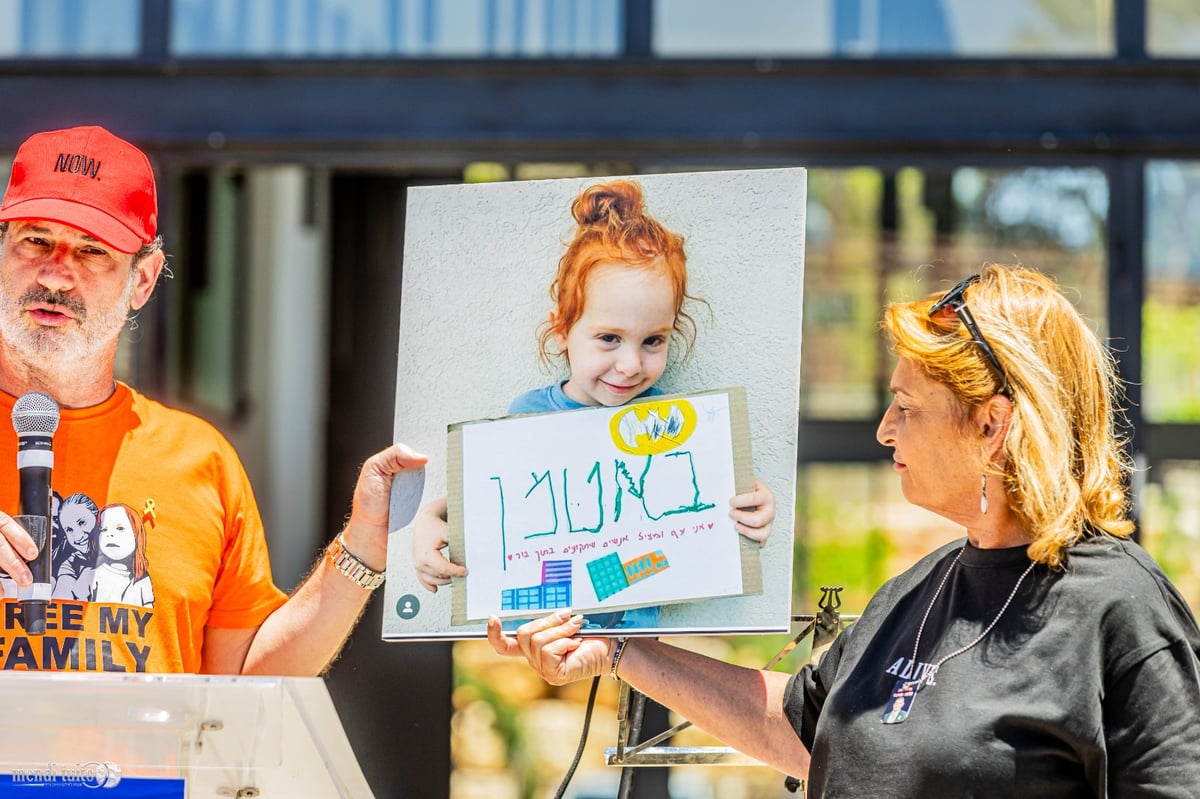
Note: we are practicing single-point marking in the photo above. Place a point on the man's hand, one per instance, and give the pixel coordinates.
(304, 635)
(13, 541)
(367, 532)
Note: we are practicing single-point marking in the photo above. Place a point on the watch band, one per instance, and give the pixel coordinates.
(349, 565)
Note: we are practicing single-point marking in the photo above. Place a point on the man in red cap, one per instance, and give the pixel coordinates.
(161, 564)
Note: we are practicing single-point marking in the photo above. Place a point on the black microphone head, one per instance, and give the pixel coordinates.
(35, 413)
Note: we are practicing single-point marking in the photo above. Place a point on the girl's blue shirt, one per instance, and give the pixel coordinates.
(553, 398)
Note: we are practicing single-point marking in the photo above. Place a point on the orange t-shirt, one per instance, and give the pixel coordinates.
(156, 535)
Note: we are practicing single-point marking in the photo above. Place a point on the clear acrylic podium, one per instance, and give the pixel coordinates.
(224, 736)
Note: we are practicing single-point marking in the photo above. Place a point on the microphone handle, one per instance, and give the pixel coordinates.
(35, 518)
(35, 490)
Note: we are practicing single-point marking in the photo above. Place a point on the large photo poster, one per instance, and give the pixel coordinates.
(512, 328)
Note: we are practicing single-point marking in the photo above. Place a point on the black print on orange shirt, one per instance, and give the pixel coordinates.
(100, 553)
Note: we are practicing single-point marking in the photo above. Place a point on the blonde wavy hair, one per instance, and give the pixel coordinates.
(1066, 466)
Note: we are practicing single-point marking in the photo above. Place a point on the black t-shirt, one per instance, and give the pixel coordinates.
(1087, 686)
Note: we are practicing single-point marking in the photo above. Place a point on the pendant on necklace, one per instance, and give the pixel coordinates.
(904, 693)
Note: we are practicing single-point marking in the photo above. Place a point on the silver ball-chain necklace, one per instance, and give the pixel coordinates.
(904, 693)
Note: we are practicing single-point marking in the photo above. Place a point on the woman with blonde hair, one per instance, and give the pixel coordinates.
(1044, 654)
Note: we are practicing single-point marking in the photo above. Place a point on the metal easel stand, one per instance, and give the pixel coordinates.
(630, 753)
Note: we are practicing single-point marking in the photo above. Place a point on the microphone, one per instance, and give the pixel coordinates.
(35, 418)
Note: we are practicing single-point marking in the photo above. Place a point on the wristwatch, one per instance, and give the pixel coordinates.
(351, 567)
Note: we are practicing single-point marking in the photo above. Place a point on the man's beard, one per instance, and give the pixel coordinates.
(92, 331)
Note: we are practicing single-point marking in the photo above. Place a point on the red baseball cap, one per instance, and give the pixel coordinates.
(89, 179)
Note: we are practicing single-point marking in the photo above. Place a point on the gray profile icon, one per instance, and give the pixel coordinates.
(408, 606)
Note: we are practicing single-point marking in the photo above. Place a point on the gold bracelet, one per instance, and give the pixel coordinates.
(351, 566)
(620, 650)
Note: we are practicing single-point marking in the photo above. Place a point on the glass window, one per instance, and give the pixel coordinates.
(766, 28)
(875, 237)
(1171, 524)
(208, 334)
(425, 28)
(842, 358)
(855, 529)
(69, 28)
(1172, 28)
(1171, 316)
(698, 28)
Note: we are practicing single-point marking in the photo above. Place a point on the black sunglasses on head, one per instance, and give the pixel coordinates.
(953, 303)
